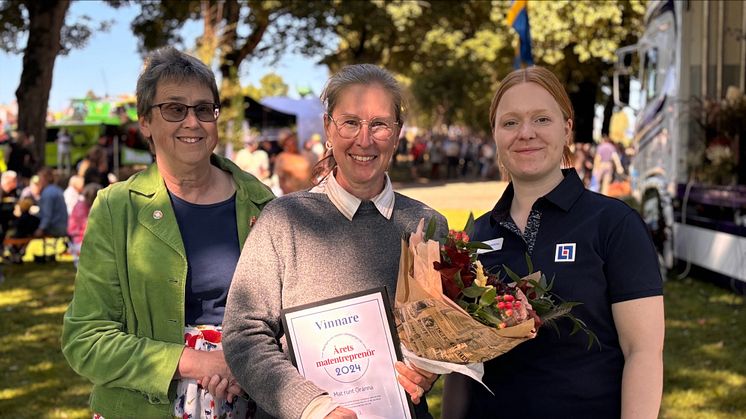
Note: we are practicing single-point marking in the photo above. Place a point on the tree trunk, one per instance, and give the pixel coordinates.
(46, 18)
(608, 112)
(583, 102)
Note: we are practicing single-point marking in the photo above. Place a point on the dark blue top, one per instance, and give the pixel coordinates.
(599, 252)
(210, 236)
(53, 211)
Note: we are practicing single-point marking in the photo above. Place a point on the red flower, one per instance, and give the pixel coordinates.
(450, 287)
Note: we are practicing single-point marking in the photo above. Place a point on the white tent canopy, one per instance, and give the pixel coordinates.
(309, 113)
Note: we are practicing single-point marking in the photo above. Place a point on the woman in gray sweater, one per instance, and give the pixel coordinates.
(342, 236)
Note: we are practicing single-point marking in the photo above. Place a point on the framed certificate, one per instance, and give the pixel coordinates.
(347, 346)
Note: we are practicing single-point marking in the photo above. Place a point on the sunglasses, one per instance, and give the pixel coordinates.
(177, 112)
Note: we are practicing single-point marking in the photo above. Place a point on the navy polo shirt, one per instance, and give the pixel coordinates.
(599, 252)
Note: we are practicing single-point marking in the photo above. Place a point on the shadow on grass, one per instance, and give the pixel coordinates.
(705, 373)
(37, 382)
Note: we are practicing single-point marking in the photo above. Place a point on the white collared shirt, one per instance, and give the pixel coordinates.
(348, 203)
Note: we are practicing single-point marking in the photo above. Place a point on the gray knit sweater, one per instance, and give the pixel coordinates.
(303, 250)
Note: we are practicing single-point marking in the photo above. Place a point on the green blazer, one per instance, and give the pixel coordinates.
(124, 329)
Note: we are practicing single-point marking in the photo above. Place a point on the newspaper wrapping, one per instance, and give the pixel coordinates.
(431, 325)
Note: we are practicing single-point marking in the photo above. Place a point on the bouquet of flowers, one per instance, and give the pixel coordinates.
(495, 301)
(453, 315)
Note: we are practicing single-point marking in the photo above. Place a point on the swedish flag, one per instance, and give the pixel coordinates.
(518, 19)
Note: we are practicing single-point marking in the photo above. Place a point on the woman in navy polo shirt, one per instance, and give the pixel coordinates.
(600, 254)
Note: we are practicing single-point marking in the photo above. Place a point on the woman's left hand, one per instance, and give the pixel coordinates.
(415, 381)
(221, 388)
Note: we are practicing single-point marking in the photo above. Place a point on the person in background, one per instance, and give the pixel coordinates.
(292, 255)
(436, 156)
(32, 191)
(598, 252)
(158, 256)
(8, 199)
(73, 192)
(94, 167)
(24, 226)
(52, 208)
(605, 163)
(288, 141)
(252, 159)
(78, 220)
(20, 159)
(293, 173)
(314, 149)
(64, 160)
(417, 151)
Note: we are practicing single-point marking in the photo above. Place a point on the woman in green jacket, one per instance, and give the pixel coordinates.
(158, 258)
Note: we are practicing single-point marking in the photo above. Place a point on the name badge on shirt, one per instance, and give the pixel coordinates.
(495, 244)
(565, 252)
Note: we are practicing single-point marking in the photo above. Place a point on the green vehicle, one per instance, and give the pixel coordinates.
(93, 120)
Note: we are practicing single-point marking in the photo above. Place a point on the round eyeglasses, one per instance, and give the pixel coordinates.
(177, 112)
(380, 129)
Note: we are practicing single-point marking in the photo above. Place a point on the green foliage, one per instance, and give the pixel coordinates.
(451, 55)
(235, 31)
(14, 25)
(270, 85)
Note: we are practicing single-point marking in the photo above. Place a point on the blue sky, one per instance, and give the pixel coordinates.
(110, 63)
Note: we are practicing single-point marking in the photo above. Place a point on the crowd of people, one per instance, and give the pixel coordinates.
(282, 164)
(46, 202)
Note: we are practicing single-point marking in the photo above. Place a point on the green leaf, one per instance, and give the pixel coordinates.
(477, 245)
(487, 314)
(575, 328)
(542, 307)
(513, 276)
(543, 283)
(474, 291)
(488, 298)
(431, 226)
(469, 227)
(547, 286)
(529, 264)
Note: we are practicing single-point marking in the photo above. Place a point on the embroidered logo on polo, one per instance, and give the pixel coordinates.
(565, 252)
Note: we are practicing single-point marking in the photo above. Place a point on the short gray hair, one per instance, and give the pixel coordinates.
(169, 64)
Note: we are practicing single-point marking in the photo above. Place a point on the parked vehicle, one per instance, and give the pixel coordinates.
(689, 168)
(91, 120)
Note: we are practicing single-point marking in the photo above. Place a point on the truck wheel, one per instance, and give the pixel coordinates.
(653, 215)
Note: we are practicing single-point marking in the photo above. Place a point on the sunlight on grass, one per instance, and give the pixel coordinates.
(58, 309)
(42, 366)
(15, 296)
(705, 373)
(27, 388)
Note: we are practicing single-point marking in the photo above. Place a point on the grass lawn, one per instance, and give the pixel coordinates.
(705, 349)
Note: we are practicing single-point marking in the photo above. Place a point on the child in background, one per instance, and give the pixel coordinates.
(24, 226)
(78, 219)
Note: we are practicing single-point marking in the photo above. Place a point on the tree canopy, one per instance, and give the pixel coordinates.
(42, 26)
(453, 54)
(271, 84)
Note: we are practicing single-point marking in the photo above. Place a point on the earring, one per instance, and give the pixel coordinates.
(328, 144)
